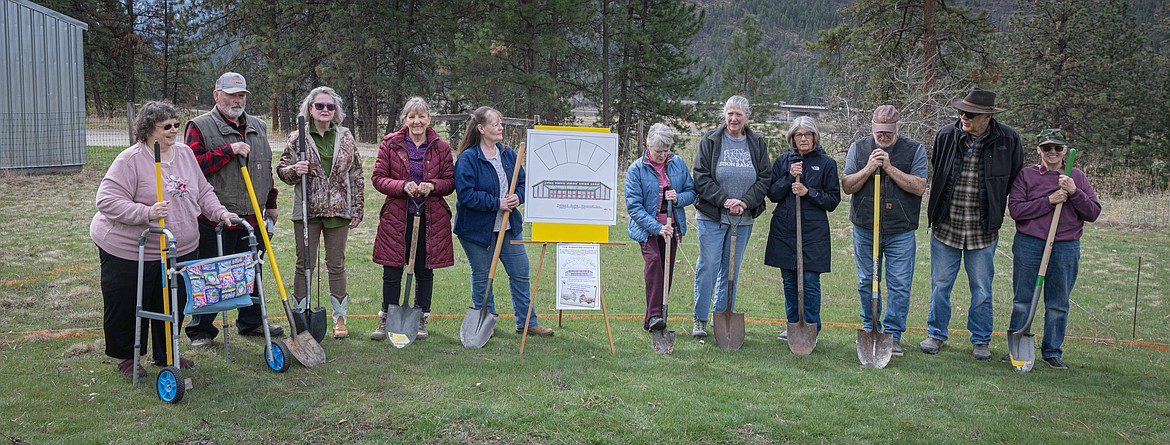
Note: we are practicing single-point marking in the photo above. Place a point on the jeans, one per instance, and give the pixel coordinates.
(515, 261)
(812, 297)
(1063, 265)
(714, 253)
(898, 252)
(944, 268)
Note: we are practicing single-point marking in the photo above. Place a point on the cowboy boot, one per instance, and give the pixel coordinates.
(380, 332)
(339, 315)
(422, 325)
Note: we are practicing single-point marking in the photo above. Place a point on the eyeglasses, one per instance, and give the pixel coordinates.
(803, 135)
(970, 115)
(1050, 147)
(168, 127)
(321, 106)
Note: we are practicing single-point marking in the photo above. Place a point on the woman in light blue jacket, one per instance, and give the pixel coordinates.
(651, 181)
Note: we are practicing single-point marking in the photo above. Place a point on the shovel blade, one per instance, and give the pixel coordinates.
(478, 326)
(402, 325)
(802, 338)
(305, 349)
(311, 321)
(662, 341)
(729, 330)
(874, 349)
(1022, 350)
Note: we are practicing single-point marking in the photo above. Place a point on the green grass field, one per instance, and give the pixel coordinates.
(60, 388)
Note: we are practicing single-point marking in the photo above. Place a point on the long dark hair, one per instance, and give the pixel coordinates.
(472, 136)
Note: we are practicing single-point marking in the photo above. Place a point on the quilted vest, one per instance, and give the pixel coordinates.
(229, 180)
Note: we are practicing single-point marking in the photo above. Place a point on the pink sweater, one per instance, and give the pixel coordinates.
(129, 189)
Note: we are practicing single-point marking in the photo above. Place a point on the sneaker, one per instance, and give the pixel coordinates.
(380, 331)
(1007, 358)
(981, 352)
(699, 329)
(201, 343)
(339, 328)
(931, 345)
(896, 351)
(184, 363)
(657, 323)
(537, 330)
(422, 327)
(124, 367)
(1055, 363)
(258, 331)
(783, 335)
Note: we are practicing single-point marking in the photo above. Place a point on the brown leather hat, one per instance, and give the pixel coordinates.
(978, 101)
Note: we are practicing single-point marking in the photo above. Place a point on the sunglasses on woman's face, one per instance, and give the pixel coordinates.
(168, 127)
(321, 106)
(1049, 147)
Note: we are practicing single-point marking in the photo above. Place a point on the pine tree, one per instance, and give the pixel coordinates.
(750, 68)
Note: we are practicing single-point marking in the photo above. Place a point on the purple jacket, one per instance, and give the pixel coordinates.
(1029, 206)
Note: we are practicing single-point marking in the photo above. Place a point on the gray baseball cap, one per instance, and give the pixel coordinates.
(231, 83)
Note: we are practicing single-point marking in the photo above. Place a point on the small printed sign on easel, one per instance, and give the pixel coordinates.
(578, 276)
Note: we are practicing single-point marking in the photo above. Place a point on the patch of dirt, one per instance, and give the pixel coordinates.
(466, 431)
(747, 432)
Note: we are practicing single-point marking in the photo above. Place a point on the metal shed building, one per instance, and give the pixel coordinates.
(42, 119)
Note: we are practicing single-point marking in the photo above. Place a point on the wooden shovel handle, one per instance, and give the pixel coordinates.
(507, 212)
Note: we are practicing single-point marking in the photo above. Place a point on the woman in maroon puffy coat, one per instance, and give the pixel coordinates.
(415, 171)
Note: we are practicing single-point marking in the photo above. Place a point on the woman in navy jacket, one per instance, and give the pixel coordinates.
(820, 192)
(483, 175)
(652, 180)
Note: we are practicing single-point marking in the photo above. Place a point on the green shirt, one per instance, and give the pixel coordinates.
(324, 144)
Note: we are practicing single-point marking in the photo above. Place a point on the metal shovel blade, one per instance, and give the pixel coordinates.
(311, 321)
(662, 341)
(874, 349)
(729, 330)
(1022, 350)
(402, 325)
(305, 349)
(802, 337)
(477, 327)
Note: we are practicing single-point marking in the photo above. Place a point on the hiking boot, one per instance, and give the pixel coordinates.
(657, 323)
(783, 335)
(699, 329)
(258, 331)
(896, 350)
(981, 352)
(422, 327)
(1007, 358)
(184, 363)
(339, 329)
(380, 331)
(1055, 363)
(201, 343)
(931, 345)
(125, 366)
(537, 330)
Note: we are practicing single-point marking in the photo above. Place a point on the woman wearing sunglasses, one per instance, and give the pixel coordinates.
(415, 171)
(1032, 202)
(336, 195)
(127, 204)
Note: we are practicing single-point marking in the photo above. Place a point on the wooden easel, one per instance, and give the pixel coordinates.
(560, 314)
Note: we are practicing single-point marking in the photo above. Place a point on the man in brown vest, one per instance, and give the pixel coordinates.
(221, 139)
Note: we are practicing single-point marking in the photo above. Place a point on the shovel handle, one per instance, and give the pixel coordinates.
(507, 213)
(410, 262)
(799, 259)
(877, 236)
(666, 240)
(1068, 165)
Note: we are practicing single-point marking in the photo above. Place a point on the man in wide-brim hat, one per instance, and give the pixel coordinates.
(975, 161)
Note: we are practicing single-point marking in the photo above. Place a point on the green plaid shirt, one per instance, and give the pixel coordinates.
(961, 228)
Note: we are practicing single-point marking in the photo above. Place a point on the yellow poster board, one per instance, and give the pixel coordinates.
(570, 233)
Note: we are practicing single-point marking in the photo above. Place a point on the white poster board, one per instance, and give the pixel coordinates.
(578, 276)
(571, 177)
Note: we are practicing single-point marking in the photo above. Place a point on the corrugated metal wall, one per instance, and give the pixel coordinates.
(42, 114)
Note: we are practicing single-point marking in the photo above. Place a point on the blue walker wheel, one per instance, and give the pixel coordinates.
(279, 362)
(170, 384)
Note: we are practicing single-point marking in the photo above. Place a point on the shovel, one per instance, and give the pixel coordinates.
(306, 319)
(802, 336)
(1021, 343)
(729, 329)
(479, 324)
(402, 321)
(300, 343)
(874, 347)
(662, 340)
